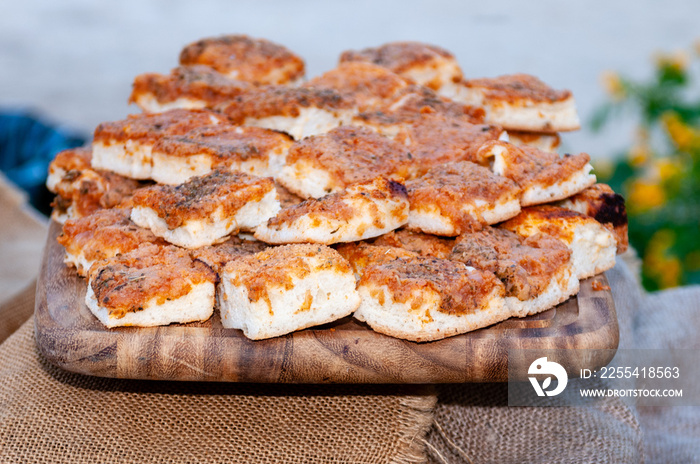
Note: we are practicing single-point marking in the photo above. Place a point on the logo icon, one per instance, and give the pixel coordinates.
(543, 367)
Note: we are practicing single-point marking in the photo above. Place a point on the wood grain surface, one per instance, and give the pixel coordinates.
(346, 351)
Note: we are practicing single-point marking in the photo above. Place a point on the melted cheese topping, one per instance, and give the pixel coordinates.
(125, 283)
(199, 197)
(525, 265)
(241, 57)
(417, 242)
(515, 88)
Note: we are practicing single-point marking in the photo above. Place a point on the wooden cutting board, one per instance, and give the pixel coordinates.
(345, 351)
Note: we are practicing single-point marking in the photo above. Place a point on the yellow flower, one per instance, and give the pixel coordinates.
(659, 264)
(683, 136)
(645, 195)
(613, 85)
(678, 60)
(666, 169)
(638, 155)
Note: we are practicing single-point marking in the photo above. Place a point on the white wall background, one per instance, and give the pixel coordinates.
(74, 60)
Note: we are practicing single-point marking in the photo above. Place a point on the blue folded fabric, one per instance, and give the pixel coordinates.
(27, 146)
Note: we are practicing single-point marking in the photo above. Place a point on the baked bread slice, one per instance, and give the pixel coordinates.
(365, 84)
(540, 140)
(409, 107)
(600, 202)
(125, 146)
(424, 64)
(435, 139)
(206, 209)
(361, 211)
(537, 271)
(187, 87)
(417, 242)
(423, 299)
(150, 286)
(458, 197)
(286, 288)
(543, 176)
(258, 61)
(298, 111)
(254, 150)
(347, 155)
(103, 234)
(82, 190)
(592, 245)
(521, 102)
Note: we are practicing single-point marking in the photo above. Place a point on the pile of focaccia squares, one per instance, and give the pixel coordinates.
(391, 188)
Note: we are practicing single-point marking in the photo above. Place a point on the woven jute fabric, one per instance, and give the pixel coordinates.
(15, 311)
(49, 415)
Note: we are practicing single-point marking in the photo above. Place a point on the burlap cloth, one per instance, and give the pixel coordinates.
(49, 415)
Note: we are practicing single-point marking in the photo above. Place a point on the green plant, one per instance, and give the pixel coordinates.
(659, 174)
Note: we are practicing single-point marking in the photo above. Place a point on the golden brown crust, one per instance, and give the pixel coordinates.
(148, 128)
(253, 60)
(363, 83)
(225, 143)
(200, 83)
(362, 254)
(201, 196)
(600, 202)
(551, 220)
(436, 139)
(398, 56)
(103, 234)
(84, 189)
(515, 88)
(335, 206)
(282, 101)
(281, 266)
(451, 186)
(353, 154)
(217, 256)
(417, 242)
(127, 282)
(412, 102)
(462, 290)
(525, 265)
(529, 166)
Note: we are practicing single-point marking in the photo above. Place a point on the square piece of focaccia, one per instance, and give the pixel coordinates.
(82, 190)
(541, 141)
(300, 112)
(361, 211)
(424, 64)
(254, 150)
(601, 203)
(204, 210)
(150, 286)
(459, 197)
(125, 146)
(435, 139)
(187, 87)
(103, 234)
(423, 299)
(347, 155)
(592, 245)
(364, 84)
(543, 176)
(286, 288)
(537, 271)
(521, 102)
(417, 242)
(257, 61)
